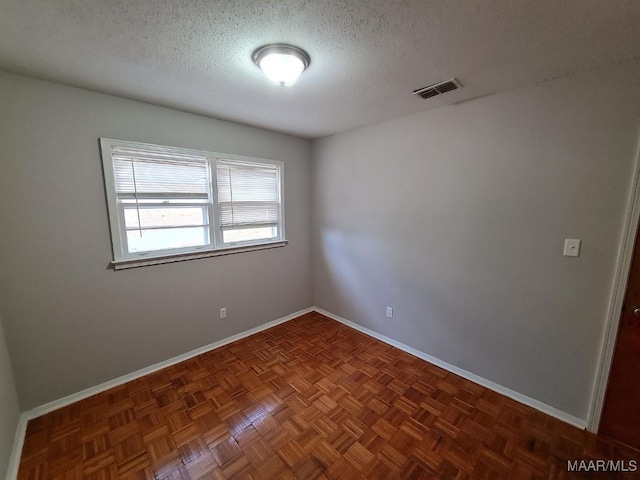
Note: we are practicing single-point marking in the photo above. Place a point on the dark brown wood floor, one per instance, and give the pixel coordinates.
(309, 399)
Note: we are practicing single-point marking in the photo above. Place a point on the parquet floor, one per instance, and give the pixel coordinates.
(308, 399)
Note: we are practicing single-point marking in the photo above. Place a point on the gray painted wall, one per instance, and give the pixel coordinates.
(457, 217)
(71, 323)
(9, 409)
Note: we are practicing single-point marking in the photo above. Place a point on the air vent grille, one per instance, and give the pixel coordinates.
(438, 88)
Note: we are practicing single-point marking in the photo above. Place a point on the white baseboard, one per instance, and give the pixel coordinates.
(68, 400)
(16, 451)
(518, 397)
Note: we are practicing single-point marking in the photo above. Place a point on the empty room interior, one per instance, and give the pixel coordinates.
(319, 240)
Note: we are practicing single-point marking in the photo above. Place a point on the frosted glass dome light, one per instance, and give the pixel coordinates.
(282, 64)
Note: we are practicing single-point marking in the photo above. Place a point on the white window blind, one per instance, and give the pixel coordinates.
(146, 174)
(248, 195)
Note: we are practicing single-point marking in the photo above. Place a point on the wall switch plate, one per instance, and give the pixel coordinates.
(223, 313)
(571, 247)
(389, 312)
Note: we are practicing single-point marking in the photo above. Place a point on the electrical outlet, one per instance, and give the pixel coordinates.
(389, 312)
(223, 313)
(572, 247)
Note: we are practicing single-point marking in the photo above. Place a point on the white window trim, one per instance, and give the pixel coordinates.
(122, 260)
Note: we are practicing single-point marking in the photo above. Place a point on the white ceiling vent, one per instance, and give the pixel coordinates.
(438, 88)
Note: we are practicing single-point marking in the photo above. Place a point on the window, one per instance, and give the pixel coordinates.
(175, 203)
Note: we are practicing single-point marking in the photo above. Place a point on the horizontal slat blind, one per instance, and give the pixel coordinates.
(248, 195)
(150, 174)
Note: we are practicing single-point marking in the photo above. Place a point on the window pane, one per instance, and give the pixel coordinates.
(165, 216)
(164, 239)
(248, 234)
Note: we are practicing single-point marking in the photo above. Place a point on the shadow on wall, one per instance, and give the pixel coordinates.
(359, 282)
(344, 267)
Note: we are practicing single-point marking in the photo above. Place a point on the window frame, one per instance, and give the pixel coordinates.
(115, 209)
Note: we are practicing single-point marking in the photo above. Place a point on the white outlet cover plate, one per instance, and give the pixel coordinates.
(571, 247)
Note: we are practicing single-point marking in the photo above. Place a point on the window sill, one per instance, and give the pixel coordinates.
(181, 257)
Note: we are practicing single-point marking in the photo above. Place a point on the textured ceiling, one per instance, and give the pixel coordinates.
(366, 55)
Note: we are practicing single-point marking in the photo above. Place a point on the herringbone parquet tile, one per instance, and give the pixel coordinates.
(309, 399)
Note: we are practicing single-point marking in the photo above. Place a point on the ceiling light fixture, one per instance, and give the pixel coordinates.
(281, 63)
